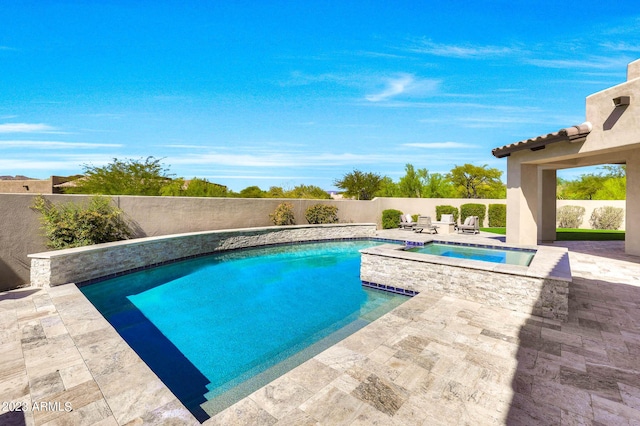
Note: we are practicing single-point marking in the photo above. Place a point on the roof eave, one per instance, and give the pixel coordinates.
(573, 134)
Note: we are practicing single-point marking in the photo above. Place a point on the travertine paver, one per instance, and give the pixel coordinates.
(433, 360)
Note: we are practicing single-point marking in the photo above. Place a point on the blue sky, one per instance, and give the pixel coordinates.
(282, 93)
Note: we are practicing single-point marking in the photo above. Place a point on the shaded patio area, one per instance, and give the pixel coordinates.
(433, 360)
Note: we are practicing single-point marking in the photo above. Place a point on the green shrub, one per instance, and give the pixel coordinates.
(75, 225)
(415, 217)
(283, 215)
(497, 215)
(569, 216)
(321, 213)
(473, 209)
(607, 217)
(440, 210)
(390, 218)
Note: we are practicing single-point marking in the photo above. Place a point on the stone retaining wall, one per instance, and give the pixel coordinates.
(506, 286)
(84, 264)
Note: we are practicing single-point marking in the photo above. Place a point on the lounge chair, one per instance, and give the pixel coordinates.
(471, 224)
(424, 222)
(406, 221)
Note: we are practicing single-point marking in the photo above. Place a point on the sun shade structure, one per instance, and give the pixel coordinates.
(609, 135)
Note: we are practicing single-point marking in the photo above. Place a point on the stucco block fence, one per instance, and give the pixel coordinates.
(541, 289)
(85, 264)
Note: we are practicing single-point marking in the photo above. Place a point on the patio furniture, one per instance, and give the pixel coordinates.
(406, 221)
(424, 222)
(471, 225)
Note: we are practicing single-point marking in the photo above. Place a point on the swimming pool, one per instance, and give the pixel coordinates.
(484, 253)
(216, 328)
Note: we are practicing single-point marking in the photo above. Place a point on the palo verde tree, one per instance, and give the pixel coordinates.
(360, 185)
(123, 177)
(477, 181)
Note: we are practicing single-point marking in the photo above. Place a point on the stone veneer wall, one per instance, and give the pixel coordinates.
(84, 264)
(545, 297)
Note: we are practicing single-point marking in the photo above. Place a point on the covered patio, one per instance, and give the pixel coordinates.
(609, 135)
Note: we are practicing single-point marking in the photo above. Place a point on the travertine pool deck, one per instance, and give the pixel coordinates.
(433, 360)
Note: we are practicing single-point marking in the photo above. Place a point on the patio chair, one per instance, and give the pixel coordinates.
(424, 222)
(471, 225)
(406, 221)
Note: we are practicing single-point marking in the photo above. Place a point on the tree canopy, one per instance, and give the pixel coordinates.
(477, 181)
(123, 177)
(360, 185)
(610, 184)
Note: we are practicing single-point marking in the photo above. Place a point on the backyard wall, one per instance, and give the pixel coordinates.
(20, 232)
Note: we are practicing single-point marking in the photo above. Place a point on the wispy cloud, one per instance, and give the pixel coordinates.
(594, 62)
(439, 145)
(429, 47)
(403, 84)
(298, 159)
(27, 128)
(55, 144)
(621, 47)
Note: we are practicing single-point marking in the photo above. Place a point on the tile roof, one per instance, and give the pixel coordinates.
(569, 134)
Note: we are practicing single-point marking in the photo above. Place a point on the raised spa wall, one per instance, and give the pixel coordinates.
(542, 288)
(85, 264)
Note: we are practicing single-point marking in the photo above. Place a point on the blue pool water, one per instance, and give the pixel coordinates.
(209, 327)
(485, 254)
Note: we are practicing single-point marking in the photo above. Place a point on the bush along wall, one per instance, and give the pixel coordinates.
(321, 213)
(607, 217)
(390, 218)
(497, 215)
(283, 215)
(444, 209)
(569, 216)
(473, 209)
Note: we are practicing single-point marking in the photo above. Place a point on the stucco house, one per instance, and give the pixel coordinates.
(609, 135)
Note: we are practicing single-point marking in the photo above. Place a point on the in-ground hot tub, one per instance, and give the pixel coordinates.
(540, 288)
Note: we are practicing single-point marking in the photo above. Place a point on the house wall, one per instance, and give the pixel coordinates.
(31, 186)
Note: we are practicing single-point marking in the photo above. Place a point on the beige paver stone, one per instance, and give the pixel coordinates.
(313, 375)
(381, 354)
(75, 375)
(76, 397)
(562, 396)
(630, 395)
(332, 406)
(244, 413)
(143, 393)
(345, 383)
(51, 358)
(96, 413)
(297, 417)
(281, 396)
(340, 358)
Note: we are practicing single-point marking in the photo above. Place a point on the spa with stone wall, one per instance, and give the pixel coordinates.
(540, 289)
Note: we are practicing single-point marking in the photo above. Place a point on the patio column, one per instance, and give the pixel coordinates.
(547, 228)
(632, 210)
(522, 202)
